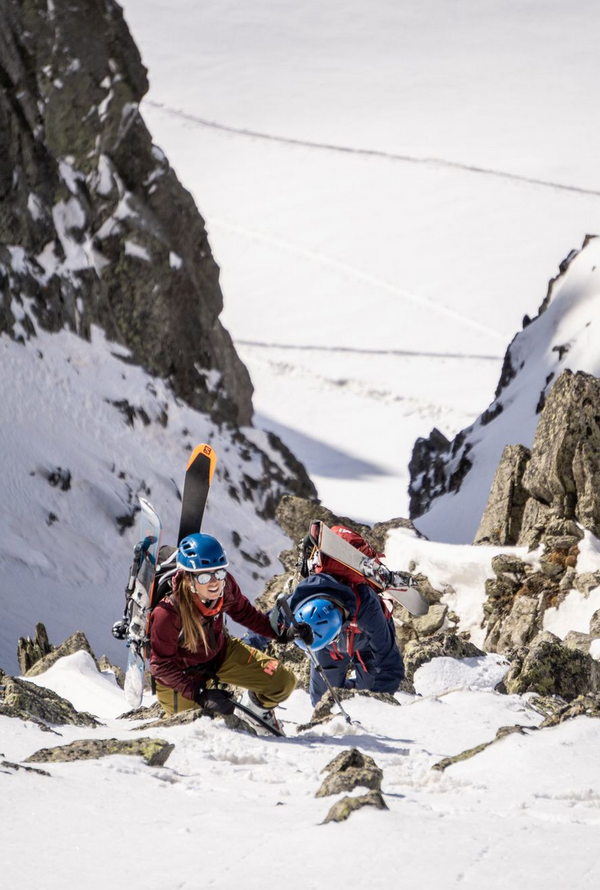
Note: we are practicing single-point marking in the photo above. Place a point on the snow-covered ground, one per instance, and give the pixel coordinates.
(432, 164)
(73, 466)
(388, 188)
(228, 808)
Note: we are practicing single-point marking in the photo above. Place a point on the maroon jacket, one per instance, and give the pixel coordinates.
(169, 660)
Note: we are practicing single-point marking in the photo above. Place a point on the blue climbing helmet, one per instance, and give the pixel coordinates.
(201, 553)
(325, 619)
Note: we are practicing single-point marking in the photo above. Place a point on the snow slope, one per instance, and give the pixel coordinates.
(564, 336)
(64, 554)
(228, 808)
(392, 177)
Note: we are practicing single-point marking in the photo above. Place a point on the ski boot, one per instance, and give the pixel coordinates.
(266, 715)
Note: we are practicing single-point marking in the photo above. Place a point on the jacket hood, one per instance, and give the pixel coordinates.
(323, 585)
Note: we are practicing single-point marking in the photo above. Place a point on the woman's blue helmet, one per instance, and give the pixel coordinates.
(201, 553)
(325, 619)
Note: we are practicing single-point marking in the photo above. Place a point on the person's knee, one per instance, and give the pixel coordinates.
(289, 682)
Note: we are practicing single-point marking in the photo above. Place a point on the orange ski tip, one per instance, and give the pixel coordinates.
(208, 452)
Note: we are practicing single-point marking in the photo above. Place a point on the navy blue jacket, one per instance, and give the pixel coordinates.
(367, 638)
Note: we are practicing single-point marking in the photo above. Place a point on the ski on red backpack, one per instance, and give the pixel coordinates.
(343, 600)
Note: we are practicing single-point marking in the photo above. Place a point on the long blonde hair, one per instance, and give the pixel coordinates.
(192, 624)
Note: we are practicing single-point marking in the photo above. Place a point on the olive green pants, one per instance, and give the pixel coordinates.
(243, 666)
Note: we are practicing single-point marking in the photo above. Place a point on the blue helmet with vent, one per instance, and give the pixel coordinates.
(324, 618)
(201, 553)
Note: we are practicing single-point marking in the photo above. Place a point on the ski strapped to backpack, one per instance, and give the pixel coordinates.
(331, 551)
(153, 567)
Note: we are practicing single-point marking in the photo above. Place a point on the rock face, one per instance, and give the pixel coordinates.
(519, 595)
(95, 228)
(31, 651)
(501, 522)
(562, 476)
(449, 481)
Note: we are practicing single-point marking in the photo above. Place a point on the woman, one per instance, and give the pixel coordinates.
(191, 649)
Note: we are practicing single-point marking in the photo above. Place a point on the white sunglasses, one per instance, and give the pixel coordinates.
(205, 577)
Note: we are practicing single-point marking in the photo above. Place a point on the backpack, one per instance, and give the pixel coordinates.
(314, 561)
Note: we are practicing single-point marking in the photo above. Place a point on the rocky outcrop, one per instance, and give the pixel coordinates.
(349, 770)
(520, 593)
(549, 667)
(77, 642)
(29, 651)
(441, 645)
(427, 468)
(344, 808)
(562, 476)
(95, 228)
(295, 515)
(501, 522)
(154, 752)
(535, 360)
(557, 711)
(19, 698)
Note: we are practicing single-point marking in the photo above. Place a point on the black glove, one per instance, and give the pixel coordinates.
(216, 700)
(302, 631)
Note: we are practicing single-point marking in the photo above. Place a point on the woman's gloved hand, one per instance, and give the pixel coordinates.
(301, 631)
(216, 700)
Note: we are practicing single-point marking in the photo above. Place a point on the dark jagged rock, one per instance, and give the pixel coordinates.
(95, 227)
(427, 468)
(30, 702)
(155, 752)
(349, 770)
(444, 644)
(31, 651)
(344, 808)
(77, 642)
(501, 521)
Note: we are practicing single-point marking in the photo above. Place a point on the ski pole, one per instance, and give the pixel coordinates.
(285, 607)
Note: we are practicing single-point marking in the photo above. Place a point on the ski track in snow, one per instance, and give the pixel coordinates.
(365, 277)
(373, 153)
(402, 353)
(421, 407)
